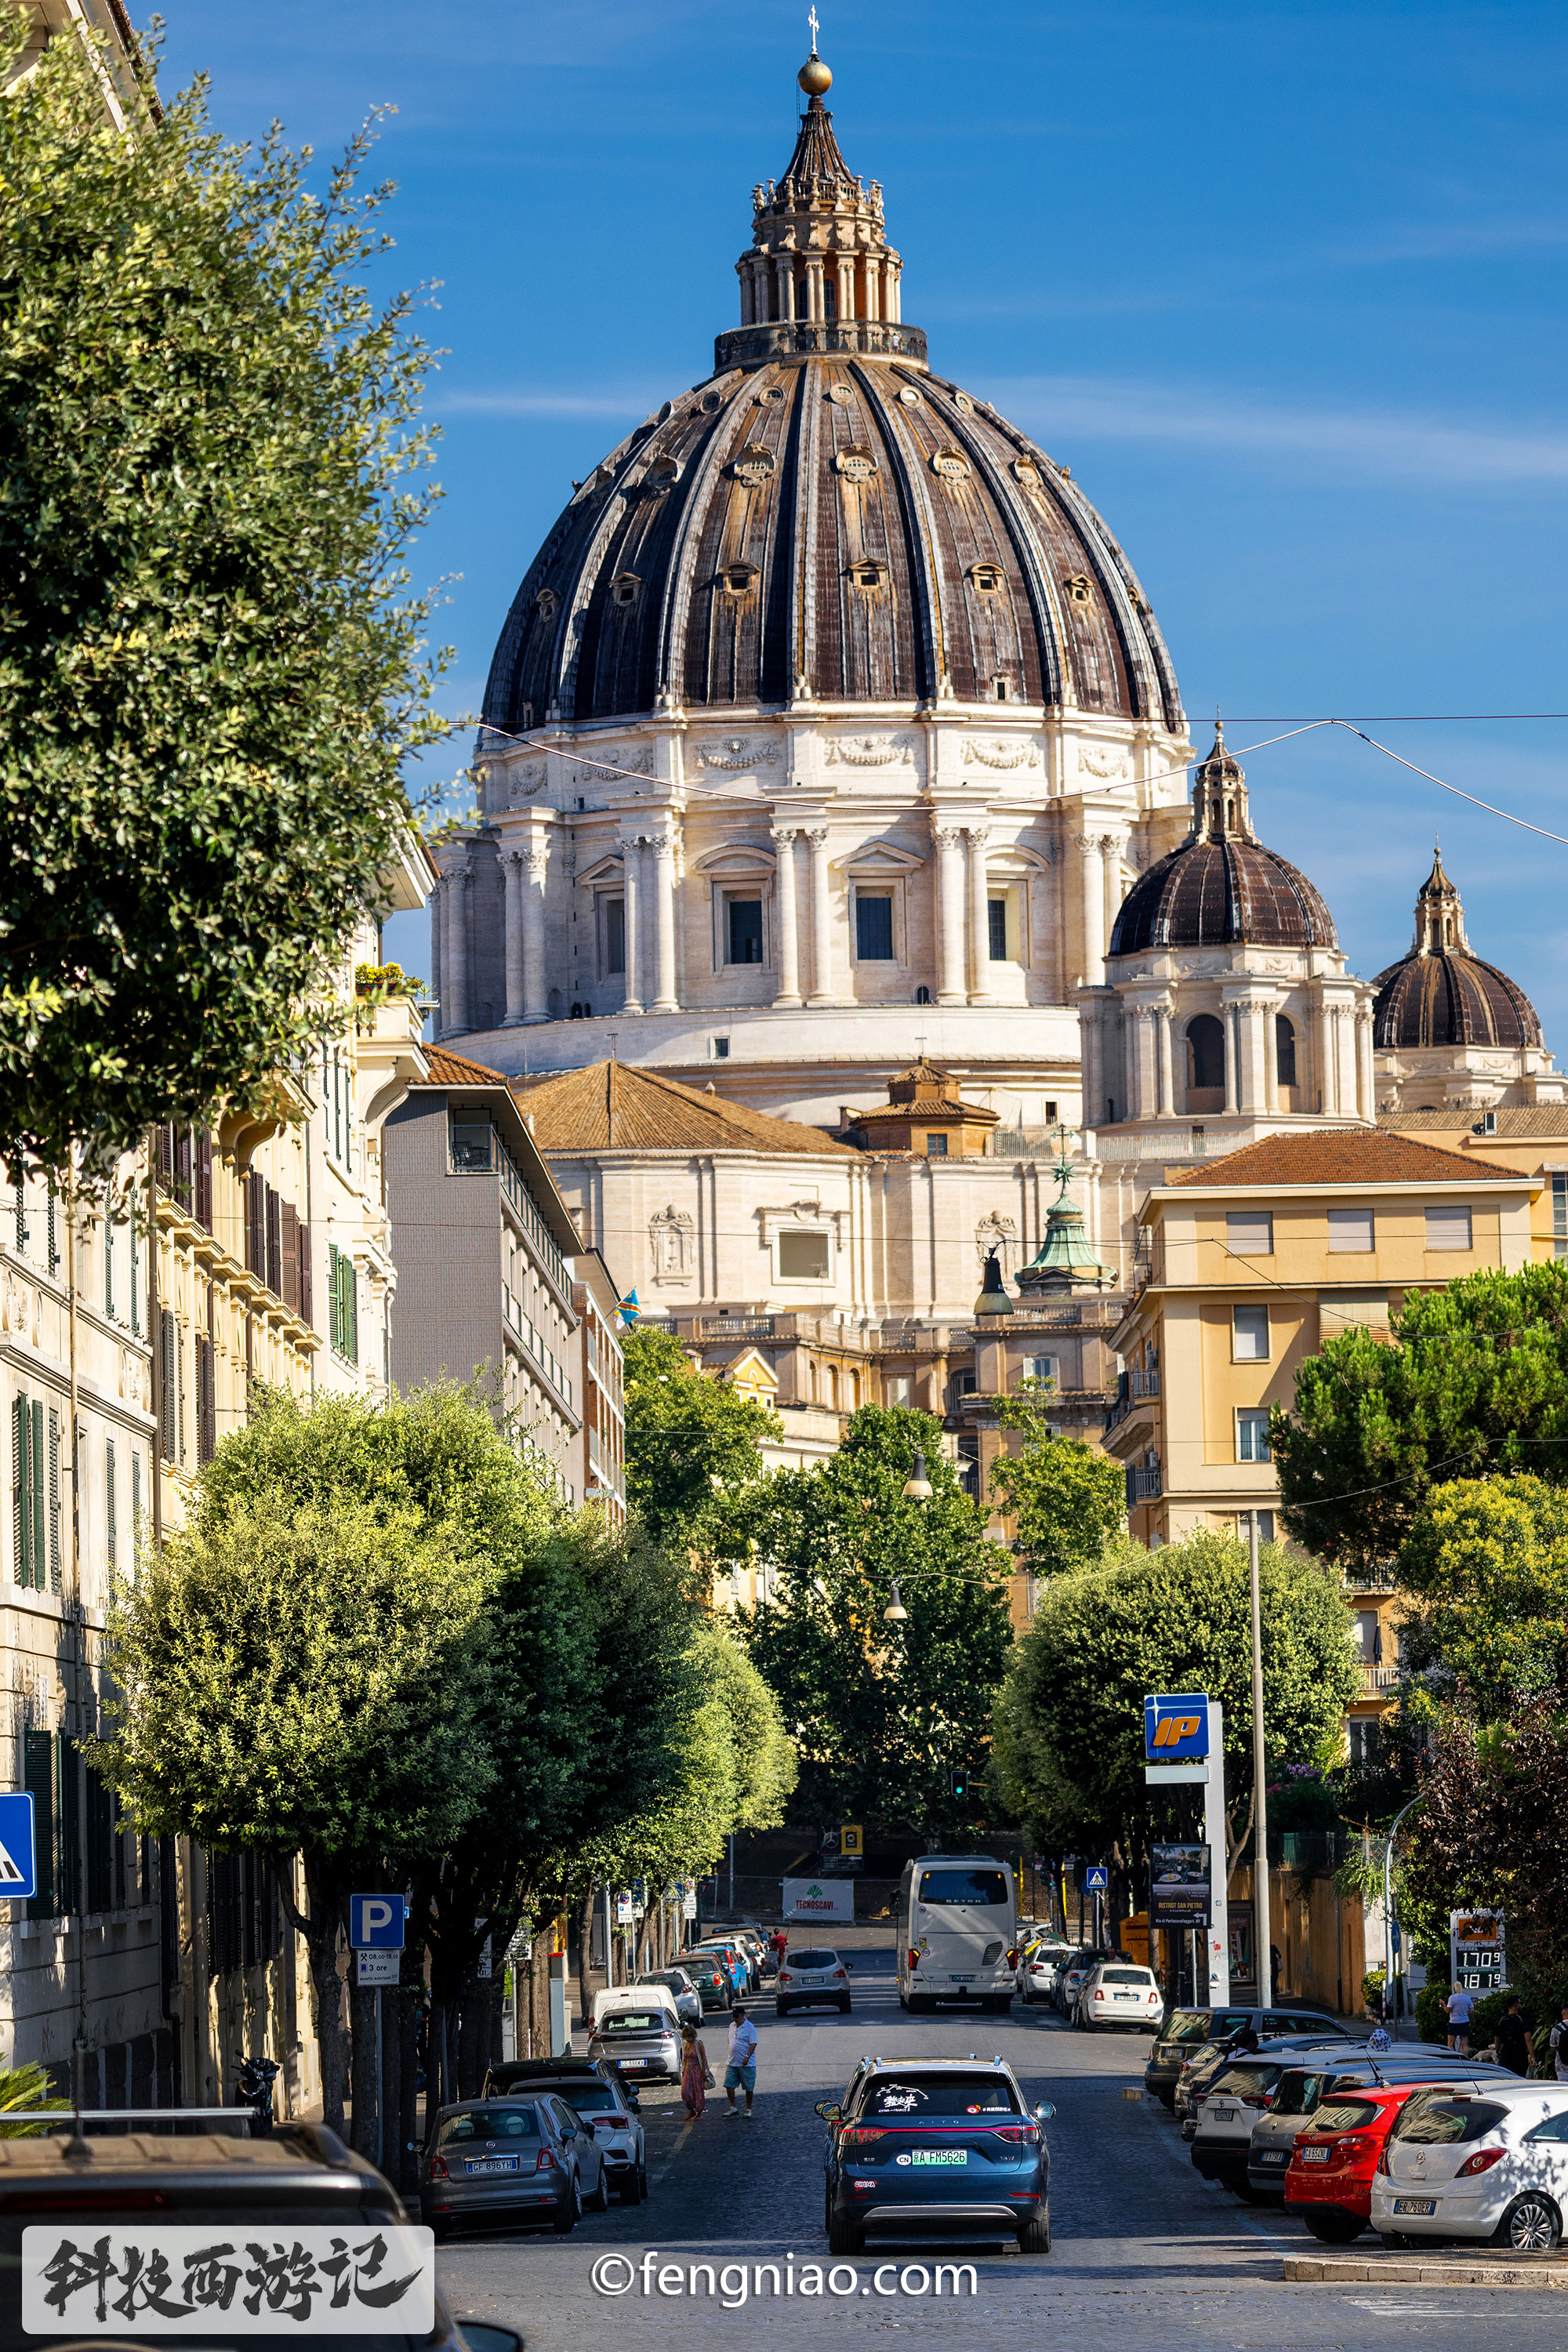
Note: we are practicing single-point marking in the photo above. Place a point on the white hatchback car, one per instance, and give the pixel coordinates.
(1488, 2163)
(818, 1975)
(1117, 1993)
(1037, 1968)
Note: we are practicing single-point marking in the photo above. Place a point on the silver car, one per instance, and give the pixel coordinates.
(688, 1999)
(525, 2160)
(642, 2042)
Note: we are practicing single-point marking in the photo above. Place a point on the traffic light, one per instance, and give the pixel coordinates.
(960, 1782)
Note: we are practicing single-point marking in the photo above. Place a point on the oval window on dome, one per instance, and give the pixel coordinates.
(663, 474)
(952, 465)
(770, 395)
(625, 590)
(856, 465)
(841, 394)
(712, 401)
(962, 402)
(1027, 472)
(754, 466)
(910, 397)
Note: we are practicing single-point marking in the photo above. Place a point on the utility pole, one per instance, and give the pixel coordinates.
(1389, 2010)
(1262, 1925)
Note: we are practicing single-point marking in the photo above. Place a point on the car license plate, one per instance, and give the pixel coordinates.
(1416, 2204)
(956, 1979)
(940, 2156)
(1314, 2155)
(491, 2164)
(1126, 1996)
(1224, 2115)
(1276, 2156)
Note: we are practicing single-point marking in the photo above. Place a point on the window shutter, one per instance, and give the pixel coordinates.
(351, 1279)
(204, 1201)
(110, 1504)
(21, 1499)
(164, 1158)
(274, 1242)
(306, 1313)
(207, 1399)
(289, 1292)
(185, 1169)
(67, 1770)
(135, 1271)
(38, 1778)
(52, 1232)
(256, 1225)
(135, 1509)
(36, 1496)
(1249, 1233)
(54, 1502)
(108, 1267)
(169, 1382)
(333, 1331)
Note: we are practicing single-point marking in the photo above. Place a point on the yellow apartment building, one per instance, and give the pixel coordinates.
(1244, 1267)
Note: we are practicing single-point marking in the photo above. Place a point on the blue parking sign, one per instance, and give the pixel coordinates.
(375, 1922)
(18, 1858)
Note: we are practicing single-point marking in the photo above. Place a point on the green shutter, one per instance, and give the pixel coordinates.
(135, 1271)
(21, 1495)
(135, 1510)
(111, 1506)
(54, 1504)
(351, 1286)
(109, 1268)
(38, 1778)
(67, 1780)
(39, 1547)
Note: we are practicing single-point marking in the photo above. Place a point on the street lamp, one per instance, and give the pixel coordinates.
(895, 1613)
(917, 1485)
(993, 1298)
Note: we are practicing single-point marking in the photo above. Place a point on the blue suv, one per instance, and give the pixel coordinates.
(943, 2146)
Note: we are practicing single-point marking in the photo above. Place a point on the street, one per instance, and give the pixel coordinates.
(1142, 2244)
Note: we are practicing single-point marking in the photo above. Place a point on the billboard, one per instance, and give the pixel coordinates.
(1176, 1729)
(1477, 1950)
(1179, 1886)
(819, 1898)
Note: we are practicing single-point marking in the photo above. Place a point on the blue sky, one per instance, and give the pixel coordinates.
(1285, 287)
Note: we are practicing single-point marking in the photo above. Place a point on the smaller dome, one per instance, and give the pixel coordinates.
(1442, 994)
(1222, 885)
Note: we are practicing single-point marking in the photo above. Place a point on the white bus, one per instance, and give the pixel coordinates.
(957, 1924)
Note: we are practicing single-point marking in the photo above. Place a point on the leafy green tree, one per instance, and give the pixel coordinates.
(1064, 1499)
(1069, 1720)
(693, 1447)
(1486, 1570)
(881, 1714)
(211, 667)
(1474, 1380)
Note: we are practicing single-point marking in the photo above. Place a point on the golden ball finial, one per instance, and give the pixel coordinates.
(814, 78)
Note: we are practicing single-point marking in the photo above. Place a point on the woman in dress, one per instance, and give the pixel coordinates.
(693, 2072)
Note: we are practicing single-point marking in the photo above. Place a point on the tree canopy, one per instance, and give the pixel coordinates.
(1473, 1378)
(211, 666)
(1485, 1570)
(882, 1713)
(1064, 1499)
(693, 1447)
(1069, 1720)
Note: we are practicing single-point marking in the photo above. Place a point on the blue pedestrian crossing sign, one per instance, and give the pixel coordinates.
(375, 1922)
(1096, 1878)
(18, 1858)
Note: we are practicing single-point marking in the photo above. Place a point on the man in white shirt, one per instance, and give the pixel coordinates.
(1459, 2006)
(740, 2073)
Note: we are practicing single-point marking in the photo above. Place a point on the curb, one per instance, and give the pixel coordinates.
(1313, 2270)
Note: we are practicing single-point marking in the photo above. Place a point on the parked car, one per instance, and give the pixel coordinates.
(729, 1956)
(300, 2175)
(1071, 1977)
(947, 2144)
(520, 2159)
(1301, 2090)
(1490, 2164)
(710, 1979)
(755, 1952)
(1222, 2127)
(641, 2034)
(816, 1977)
(1119, 1993)
(1186, 2030)
(600, 2099)
(688, 1999)
(1208, 2065)
(1038, 1963)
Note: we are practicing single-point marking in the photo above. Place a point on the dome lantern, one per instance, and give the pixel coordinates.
(1441, 994)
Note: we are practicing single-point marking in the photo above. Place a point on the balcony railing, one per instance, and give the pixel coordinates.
(1133, 1389)
(1376, 1680)
(734, 1327)
(1144, 1485)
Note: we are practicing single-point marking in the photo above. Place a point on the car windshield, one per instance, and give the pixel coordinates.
(1440, 2123)
(1126, 1975)
(634, 2021)
(589, 2098)
(966, 1888)
(939, 2095)
(490, 2123)
(1237, 2081)
(1344, 2115)
(1187, 2025)
(811, 1959)
(1298, 2094)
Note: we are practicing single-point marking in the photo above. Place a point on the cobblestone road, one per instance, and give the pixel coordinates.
(1144, 2251)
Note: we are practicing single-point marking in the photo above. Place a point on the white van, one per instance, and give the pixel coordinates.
(957, 1928)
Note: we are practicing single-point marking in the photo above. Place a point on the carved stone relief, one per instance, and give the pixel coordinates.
(672, 1236)
(1001, 750)
(737, 751)
(999, 1234)
(525, 781)
(1105, 760)
(867, 751)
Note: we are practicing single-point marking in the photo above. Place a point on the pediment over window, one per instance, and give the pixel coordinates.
(880, 857)
(736, 858)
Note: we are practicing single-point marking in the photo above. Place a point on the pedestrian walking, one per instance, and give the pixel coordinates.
(1557, 2041)
(1515, 2044)
(1458, 2005)
(779, 1940)
(740, 2073)
(695, 2075)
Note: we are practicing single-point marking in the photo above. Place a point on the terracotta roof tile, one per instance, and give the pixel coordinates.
(448, 1069)
(1341, 1156)
(611, 1105)
(1518, 1119)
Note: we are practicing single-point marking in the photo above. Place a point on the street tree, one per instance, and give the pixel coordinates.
(882, 1713)
(1472, 1381)
(1064, 1499)
(212, 667)
(1069, 1720)
(1485, 1576)
(693, 1447)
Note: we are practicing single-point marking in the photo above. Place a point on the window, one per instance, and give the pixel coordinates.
(1249, 1233)
(997, 915)
(721, 1048)
(1352, 1230)
(1249, 1335)
(614, 935)
(623, 590)
(1560, 1214)
(803, 1258)
(343, 1291)
(1001, 689)
(207, 1399)
(1447, 1228)
(874, 925)
(111, 1508)
(135, 1503)
(1284, 1050)
(898, 1387)
(1206, 1053)
(1043, 1368)
(936, 1147)
(471, 1147)
(1252, 1437)
(1265, 1526)
(56, 1500)
(744, 942)
(29, 1531)
(109, 1268)
(39, 1763)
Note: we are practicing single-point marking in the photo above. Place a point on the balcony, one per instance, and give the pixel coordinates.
(1133, 1389)
(1144, 1485)
(734, 1327)
(1377, 1682)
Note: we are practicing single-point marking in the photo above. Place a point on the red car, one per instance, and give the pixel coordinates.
(1328, 2184)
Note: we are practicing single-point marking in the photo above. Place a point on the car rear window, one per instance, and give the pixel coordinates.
(1442, 2123)
(1126, 1975)
(589, 2098)
(634, 2021)
(490, 2123)
(1298, 2094)
(1235, 2080)
(1345, 2115)
(1187, 2025)
(811, 1959)
(920, 2095)
(966, 1888)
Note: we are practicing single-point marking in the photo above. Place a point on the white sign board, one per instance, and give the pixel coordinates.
(376, 1968)
(622, 1910)
(819, 1898)
(689, 1906)
(378, 2279)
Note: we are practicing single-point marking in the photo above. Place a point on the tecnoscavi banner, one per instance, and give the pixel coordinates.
(819, 1898)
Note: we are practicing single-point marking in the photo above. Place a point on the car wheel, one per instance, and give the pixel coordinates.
(1334, 2229)
(1531, 2225)
(843, 2237)
(916, 2004)
(1034, 2237)
(600, 2201)
(781, 2009)
(566, 2222)
(1167, 2100)
(440, 2232)
(632, 2186)
(1246, 2191)
(1394, 2239)
(844, 2008)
